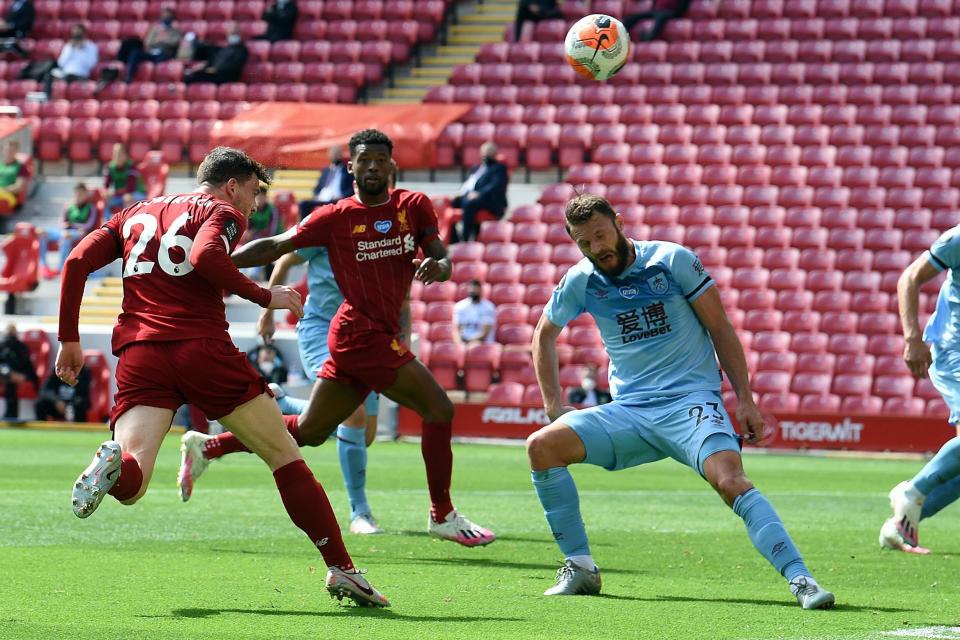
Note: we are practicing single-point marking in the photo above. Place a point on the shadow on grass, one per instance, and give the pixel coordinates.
(787, 603)
(545, 539)
(491, 563)
(367, 612)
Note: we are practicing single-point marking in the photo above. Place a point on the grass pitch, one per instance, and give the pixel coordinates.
(676, 562)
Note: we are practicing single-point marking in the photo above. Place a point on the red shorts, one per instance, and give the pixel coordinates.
(365, 361)
(211, 374)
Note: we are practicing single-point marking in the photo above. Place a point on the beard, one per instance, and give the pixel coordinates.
(369, 187)
(622, 251)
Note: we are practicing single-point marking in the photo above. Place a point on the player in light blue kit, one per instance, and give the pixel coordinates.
(938, 482)
(360, 429)
(663, 325)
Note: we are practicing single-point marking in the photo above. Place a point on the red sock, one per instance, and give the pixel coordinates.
(222, 444)
(308, 507)
(438, 458)
(293, 426)
(130, 480)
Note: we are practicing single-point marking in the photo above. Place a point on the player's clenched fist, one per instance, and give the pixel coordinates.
(430, 270)
(283, 297)
(749, 418)
(69, 362)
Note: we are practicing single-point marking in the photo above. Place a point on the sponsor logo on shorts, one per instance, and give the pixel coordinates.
(397, 347)
(360, 228)
(514, 415)
(383, 225)
(812, 431)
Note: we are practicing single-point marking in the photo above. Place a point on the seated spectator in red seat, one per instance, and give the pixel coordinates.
(587, 394)
(223, 64)
(161, 44)
(79, 219)
(474, 318)
(281, 17)
(122, 182)
(661, 12)
(14, 177)
(534, 11)
(76, 61)
(15, 369)
(335, 183)
(60, 402)
(484, 189)
(265, 221)
(17, 23)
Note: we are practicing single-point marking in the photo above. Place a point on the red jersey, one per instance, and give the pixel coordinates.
(371, 252)
(176, 265)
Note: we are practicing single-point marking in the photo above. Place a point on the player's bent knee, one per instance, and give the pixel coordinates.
(440, 410)
(729, 487)
(542, 450)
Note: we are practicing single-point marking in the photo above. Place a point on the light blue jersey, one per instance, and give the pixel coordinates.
(325, 297)
(656, 343)
(943, 327)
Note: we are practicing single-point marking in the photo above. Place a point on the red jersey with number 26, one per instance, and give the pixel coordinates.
(176, 265)
(371, 252)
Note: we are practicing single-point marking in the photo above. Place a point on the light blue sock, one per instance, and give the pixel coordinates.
(290, 406)
(941, 496)
(768, 534)
(352, 451)
(942, 467)
(561, 505)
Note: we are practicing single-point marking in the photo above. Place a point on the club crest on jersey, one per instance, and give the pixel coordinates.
(629, 292)
(658, 283)
(402, 220)
(383, 225)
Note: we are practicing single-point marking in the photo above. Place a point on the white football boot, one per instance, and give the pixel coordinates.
(192, 462)
(97, 479)
(811, 595)
(574, 580)
(353, 585)
(907, 503)
(460, 530)
(365, 524)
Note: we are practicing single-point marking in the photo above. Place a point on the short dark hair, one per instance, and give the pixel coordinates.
(368, 137)
(582, 208)
(80, 185)
(224, 163)
(475, 283)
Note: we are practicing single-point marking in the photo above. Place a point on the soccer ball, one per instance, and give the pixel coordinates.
(597, 46)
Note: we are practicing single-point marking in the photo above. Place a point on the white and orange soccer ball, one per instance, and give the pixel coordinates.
(597, 46)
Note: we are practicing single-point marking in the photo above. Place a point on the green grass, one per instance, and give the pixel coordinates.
(677, 563)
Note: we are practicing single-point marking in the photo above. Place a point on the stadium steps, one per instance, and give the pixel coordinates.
(463, 42)
(300, 182)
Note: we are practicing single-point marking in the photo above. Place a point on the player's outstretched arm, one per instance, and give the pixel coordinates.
(710, 311)
(435, 266)
(547, 365)
(264, 251)
(265, 325)
(915, 353)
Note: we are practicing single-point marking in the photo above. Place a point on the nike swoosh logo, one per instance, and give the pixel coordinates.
(603, 38)
(366, 590)
(111, 476)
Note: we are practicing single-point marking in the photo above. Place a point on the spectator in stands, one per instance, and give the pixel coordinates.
(122, 182)
(281, 16)
(534, 11)
(15, 369)
(587, 394)
(16, 24)
(77, 59)
(79, 219)
(268, 361)
(14, 176)
(265, 221)
(161, 44)
(335, 184)
(661, 12)
(474, 319)
(224, 64)
(61, 402)
(484, 189)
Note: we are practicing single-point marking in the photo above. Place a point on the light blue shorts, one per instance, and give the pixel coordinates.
(945, 376)
(314, 351)
(688, 428)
